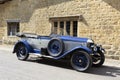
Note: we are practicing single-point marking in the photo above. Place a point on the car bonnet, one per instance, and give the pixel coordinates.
(74, 39)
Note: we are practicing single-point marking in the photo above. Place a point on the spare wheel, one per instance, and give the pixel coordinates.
(55, 47)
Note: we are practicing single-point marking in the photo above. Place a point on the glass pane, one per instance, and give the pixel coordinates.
(62, 28)
(68, 27)
(55, 27)
(75, 25)
(61, 24)
(13, 30)
(18, 29)
(55, 24)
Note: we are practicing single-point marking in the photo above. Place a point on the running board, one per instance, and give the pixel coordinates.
(39, 55)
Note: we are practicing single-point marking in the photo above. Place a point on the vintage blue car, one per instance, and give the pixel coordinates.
(81, 52)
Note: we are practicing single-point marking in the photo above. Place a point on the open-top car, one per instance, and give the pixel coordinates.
(81, 52)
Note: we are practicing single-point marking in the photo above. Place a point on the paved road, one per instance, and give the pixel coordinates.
(44, 69)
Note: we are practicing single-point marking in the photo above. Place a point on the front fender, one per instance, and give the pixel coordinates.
(89, 51)
(100, 49)
(25, 43)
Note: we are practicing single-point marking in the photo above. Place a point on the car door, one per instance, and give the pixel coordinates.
(44, 41)
(35, 43)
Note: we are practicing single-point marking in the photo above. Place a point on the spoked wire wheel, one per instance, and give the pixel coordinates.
(81, 61)
(98, 59)
(55, 47)
(22, 52)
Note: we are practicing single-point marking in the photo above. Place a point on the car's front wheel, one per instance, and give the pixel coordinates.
(22, 52)
(81, 61)
(98, 59)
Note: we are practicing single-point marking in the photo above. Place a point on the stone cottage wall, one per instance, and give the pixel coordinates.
(100, 19)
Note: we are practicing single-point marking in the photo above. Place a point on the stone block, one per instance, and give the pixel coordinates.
(117, 53)
(107, 47)
(112, 57)
(111, 52)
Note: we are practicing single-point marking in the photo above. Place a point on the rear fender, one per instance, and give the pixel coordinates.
(25, 43)
(75, 49)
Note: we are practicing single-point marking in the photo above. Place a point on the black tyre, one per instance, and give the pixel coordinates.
(98, 59)
(81, 61)
(22, 52)
(55, 47)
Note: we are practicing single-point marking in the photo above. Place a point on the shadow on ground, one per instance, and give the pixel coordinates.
(104, 70)
(51, 62)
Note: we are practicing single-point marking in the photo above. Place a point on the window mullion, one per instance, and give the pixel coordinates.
(65, 28)
(58, 28)
(52, 27)
(71, 28)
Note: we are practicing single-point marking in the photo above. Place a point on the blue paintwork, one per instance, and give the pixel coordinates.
(80, 47)
(30, 49)
(38, 51)
(59, 47)
(64, 38)
(75, 39)
(68, 52)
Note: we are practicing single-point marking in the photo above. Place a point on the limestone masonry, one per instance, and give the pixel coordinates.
(100, 19)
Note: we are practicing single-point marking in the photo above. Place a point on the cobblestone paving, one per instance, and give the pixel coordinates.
(43, 69)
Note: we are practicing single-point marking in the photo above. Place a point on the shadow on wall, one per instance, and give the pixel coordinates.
(24, 9)
(114, 3)
(84, 20)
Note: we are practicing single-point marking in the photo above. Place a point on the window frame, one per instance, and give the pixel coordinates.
(66, 27)
(15, 29)
(64, 19)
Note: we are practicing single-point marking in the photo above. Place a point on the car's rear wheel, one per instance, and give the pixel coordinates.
(22, 52)
(81, 61)
(55, 47)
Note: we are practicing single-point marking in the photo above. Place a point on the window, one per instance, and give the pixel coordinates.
(13, 28)
(65, 27)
